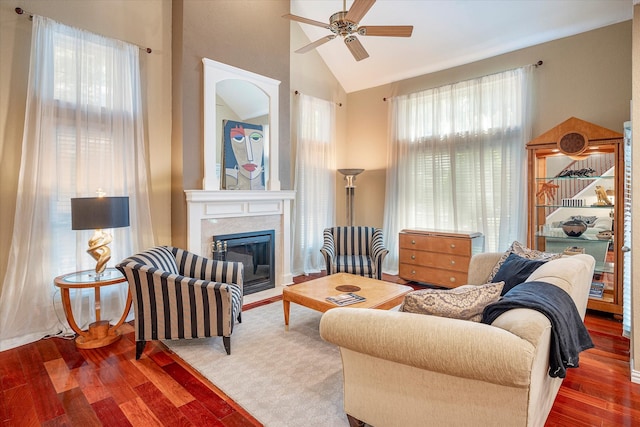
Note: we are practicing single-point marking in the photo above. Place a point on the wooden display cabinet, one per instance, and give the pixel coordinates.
(575, 170)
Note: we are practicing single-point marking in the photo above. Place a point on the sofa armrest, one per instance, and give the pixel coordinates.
(480, 267)
(449, 346)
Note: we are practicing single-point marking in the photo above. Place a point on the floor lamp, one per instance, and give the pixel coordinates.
(350, 188)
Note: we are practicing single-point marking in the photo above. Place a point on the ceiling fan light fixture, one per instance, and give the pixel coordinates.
(341, 26)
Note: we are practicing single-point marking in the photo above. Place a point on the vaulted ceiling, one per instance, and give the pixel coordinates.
(448, 33)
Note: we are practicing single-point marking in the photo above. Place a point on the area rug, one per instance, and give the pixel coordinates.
(282, 378)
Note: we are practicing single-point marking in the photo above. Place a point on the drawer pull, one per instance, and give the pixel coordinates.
(452, 279)
(413, 272)
(453, 262)
(413, 242)
(413, 257)
(453, 245)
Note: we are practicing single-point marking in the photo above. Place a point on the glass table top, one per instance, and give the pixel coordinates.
(91, 276)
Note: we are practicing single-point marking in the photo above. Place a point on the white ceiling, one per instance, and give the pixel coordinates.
(448, 33)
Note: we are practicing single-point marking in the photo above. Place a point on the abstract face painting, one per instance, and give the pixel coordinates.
(243, 156)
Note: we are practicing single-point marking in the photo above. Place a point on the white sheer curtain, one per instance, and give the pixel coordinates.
(315, 182)
(456, 160)
(83, 131)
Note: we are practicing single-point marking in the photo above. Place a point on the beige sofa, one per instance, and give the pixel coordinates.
(405, 369)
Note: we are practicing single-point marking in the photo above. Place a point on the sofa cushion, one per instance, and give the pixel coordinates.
(516, 270)
(524, 252)
(464, 302)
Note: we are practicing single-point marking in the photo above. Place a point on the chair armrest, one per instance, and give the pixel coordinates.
(377, 249)
(328, 249)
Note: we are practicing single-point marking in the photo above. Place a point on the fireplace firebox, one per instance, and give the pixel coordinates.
(256, 250)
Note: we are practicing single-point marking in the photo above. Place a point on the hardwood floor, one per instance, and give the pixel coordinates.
(51, 382)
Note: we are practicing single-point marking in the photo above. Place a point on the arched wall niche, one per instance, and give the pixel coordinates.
(216, 73)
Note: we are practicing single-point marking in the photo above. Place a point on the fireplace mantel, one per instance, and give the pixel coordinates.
(246, 206)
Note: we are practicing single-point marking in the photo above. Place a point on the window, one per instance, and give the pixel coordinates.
(457, 160)
(83, 132)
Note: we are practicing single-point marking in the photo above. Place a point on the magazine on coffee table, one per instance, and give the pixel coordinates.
(346, 299)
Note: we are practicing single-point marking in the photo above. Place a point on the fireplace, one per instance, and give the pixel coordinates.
(255, 250)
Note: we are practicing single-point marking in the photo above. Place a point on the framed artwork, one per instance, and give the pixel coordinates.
(243, 155)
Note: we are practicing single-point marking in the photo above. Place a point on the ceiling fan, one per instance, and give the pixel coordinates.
(347, 24)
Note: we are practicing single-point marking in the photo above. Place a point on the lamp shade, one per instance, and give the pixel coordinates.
(91, 213)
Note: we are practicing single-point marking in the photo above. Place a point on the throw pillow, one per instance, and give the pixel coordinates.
(516, 270)
(521, 250)
(464, 302)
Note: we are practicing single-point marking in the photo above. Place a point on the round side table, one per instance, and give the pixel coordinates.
(100, 332)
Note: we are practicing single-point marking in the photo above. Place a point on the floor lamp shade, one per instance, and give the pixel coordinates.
(98, 213)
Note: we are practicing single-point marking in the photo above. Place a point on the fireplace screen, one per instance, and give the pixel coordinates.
(253, 249)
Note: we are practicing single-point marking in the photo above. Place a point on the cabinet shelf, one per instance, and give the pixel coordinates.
(579, 178)
(570, 239)
(574, 207)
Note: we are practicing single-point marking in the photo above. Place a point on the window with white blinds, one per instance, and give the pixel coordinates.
(457, 160)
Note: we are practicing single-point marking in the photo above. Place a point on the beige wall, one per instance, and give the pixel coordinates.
(143, 22)
(247, 34)
(587, 76)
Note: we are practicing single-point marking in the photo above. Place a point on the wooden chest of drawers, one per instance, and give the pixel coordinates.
(437, 257)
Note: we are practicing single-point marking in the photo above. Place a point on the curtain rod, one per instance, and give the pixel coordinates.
(536, 65)
(21, 11)
(339, 104)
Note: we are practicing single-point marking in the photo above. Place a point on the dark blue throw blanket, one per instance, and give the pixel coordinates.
(569, 336)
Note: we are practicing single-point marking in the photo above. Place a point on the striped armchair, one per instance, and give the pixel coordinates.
(355, 250)
(177, 294)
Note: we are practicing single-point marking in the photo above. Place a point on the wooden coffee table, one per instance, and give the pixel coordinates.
(312, 294)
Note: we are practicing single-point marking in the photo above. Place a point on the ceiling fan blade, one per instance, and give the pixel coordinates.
(386, 30)
(306, 21)
(358, 9)
(356, 48)
(316, 43)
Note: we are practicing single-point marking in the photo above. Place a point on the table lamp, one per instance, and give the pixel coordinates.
(99, 213)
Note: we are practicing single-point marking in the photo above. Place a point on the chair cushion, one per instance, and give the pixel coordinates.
(361, 265)
(464, 302)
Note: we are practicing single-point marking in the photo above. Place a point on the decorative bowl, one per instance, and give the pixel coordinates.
(574, 227)
(604, 235)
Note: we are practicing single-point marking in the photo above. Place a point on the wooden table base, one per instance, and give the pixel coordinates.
(98, 335)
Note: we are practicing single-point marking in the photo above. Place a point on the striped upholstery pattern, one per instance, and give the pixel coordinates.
(177, 294)
(355, 250)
